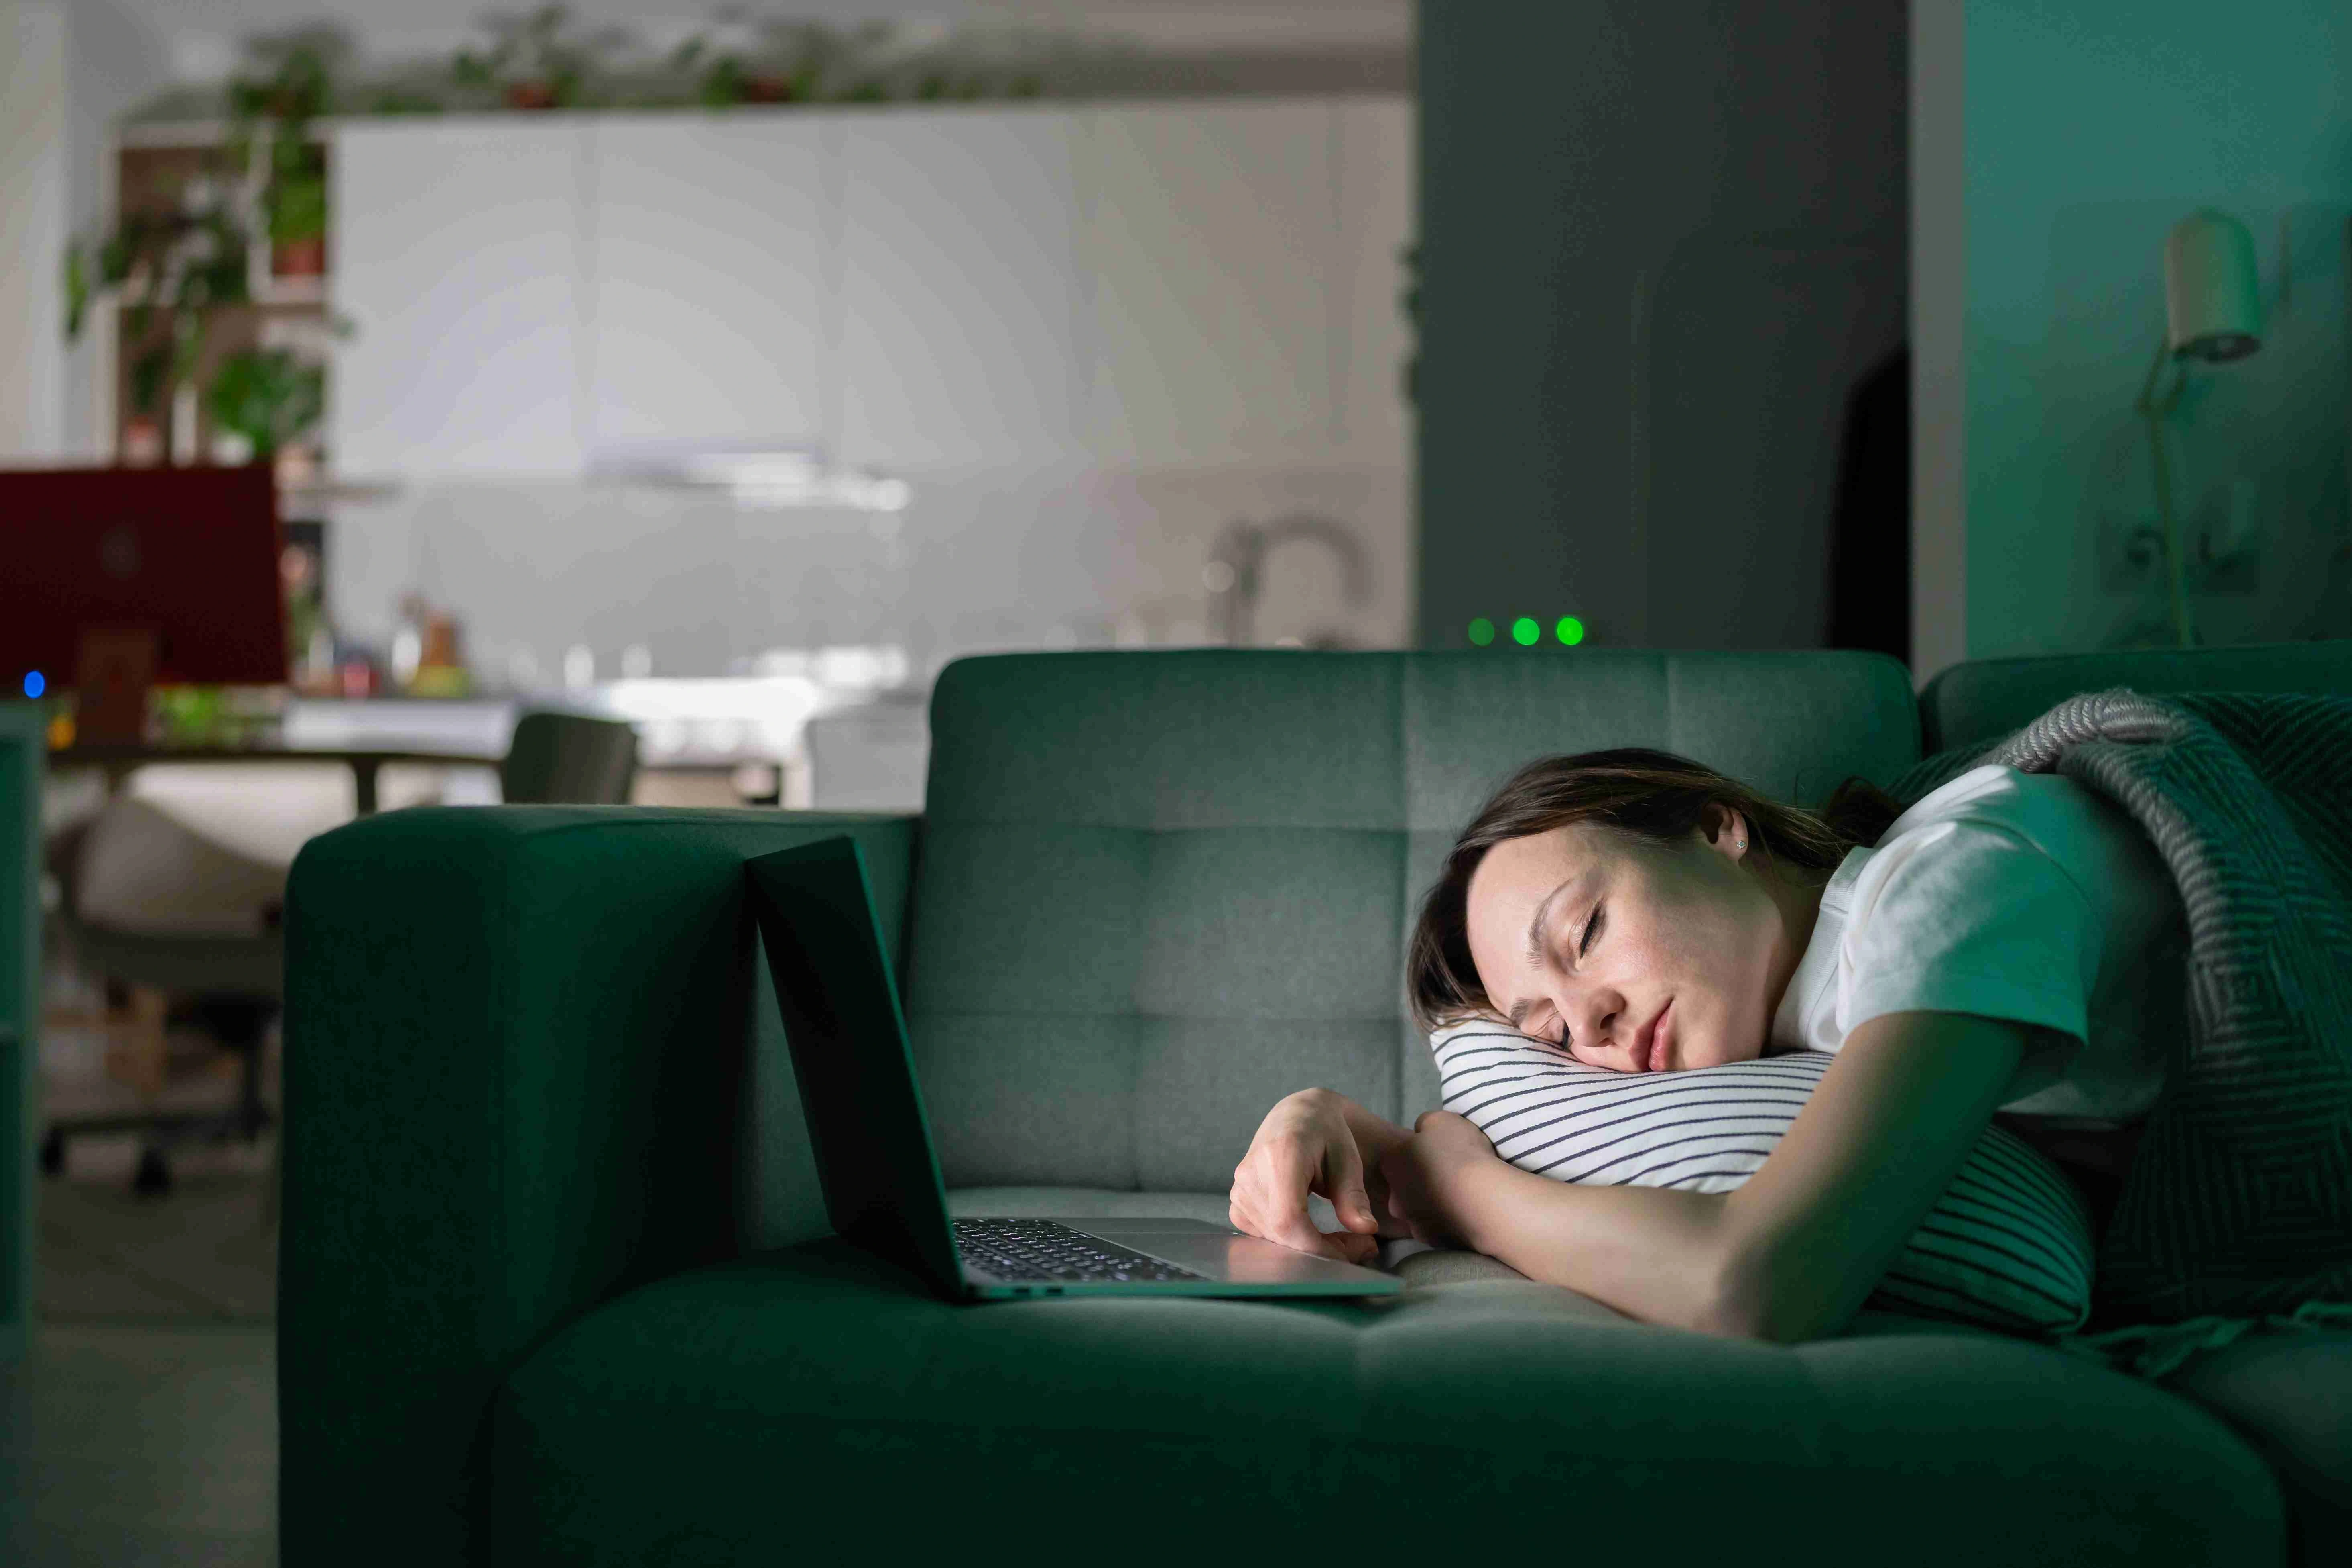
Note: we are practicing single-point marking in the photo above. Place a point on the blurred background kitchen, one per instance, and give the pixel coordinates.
(732, 373)
(717, 373)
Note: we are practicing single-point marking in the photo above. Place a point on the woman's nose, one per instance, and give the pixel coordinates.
(1596, 1023)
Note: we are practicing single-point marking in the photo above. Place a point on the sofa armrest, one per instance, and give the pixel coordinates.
(517, 1082)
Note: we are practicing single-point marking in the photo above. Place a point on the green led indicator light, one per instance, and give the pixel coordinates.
(1482, 631)
(1524, 632)
(1570, 631)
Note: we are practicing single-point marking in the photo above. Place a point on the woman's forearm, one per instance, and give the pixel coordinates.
(1652, 1253)
(1792, 1253)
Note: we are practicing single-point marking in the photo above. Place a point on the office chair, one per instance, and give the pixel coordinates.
(231, 979)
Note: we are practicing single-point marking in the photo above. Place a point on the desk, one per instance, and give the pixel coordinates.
(118, 762)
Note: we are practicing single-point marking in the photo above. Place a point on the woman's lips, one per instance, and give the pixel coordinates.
(1659, 1039)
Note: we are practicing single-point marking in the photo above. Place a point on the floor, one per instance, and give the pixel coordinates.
(136, 1443)
(142, 1427)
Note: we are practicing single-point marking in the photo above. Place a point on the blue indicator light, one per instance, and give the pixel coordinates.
(33, 684)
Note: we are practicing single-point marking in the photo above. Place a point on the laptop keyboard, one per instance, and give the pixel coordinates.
(1025, 1249)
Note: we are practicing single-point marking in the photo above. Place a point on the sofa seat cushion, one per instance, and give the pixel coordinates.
(813, 1398)
(2291, 1395)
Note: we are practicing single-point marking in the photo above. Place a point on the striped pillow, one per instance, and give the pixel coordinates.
(2007, 1245)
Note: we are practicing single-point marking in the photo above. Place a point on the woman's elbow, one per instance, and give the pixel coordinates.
(1756, 1296)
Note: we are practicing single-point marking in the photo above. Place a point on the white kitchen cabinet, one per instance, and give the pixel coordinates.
(711, 253)
(1211, 228)
(1378, 213)
(870, 758)
(960, 298)
(457, 262)
(915, 289)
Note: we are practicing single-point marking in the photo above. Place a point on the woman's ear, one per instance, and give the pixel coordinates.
(1725, 827)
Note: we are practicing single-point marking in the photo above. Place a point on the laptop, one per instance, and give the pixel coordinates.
(875, 1158)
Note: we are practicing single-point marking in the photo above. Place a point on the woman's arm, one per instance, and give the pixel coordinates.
(1787, 1256)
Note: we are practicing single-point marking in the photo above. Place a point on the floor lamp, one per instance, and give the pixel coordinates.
(2212, 309)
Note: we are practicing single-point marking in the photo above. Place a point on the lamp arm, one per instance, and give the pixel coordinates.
(2154, 412)
(2147, 402)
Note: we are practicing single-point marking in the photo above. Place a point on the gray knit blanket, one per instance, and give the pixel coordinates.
(2239, 1201)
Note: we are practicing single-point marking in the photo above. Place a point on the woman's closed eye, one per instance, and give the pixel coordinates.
(1553, 1030)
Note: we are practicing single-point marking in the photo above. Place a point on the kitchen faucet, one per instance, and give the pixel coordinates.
(1241, 549)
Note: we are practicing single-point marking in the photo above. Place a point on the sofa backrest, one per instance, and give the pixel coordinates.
(1976, 703)
(1158, 892)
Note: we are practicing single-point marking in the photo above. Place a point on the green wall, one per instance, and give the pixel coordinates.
(2091, 128)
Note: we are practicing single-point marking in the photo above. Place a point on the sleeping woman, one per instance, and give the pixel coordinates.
(2011, 942)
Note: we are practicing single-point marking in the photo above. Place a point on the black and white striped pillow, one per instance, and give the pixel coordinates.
(2007, 1245)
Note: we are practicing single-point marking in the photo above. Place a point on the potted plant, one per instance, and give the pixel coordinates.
(297, 225)
(289, 83)
(173, 269)
(142, 432)
(266, 399)
(790, 62)
(537, 59)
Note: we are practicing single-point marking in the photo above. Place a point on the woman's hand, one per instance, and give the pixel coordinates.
(1425, 1176)
(1316, 1142)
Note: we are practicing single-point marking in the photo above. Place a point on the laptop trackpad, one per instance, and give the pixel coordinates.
(1222, 1255)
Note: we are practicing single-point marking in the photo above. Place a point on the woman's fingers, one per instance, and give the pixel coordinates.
(1269, 1200)
(1284, 1219)
(1342, 1176)
(1407, 1203)
(1305, 1146)
(1298, 1232)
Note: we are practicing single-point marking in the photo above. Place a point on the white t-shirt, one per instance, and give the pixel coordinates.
(2019, 896)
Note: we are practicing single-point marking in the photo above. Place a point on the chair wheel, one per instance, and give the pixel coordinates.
(154, 1177)
(53, 1152)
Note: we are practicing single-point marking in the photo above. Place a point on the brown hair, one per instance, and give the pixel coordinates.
(1655, 796)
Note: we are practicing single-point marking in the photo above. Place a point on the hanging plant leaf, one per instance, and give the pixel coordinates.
(76, 284)
(266, 395)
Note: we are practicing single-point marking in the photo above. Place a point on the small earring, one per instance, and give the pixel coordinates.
(1743, 844)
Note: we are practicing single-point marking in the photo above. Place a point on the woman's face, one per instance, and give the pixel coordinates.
(1635, 956)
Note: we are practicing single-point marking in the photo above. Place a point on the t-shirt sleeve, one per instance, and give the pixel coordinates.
(1968, 917)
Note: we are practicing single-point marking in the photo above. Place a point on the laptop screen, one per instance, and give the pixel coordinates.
(848, 1041)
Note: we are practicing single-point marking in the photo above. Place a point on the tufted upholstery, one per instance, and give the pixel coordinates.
(1116, 967)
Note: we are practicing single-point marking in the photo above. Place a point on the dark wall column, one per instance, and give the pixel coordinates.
(1661, 241)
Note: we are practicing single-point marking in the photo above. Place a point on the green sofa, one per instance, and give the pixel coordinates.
(24, 750)
(556, 1286)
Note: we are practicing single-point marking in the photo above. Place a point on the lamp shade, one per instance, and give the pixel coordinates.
(2214, 308)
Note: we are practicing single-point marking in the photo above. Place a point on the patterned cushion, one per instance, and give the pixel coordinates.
(2007, 1245)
